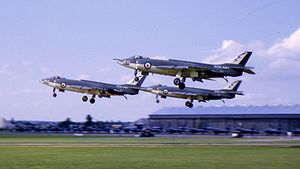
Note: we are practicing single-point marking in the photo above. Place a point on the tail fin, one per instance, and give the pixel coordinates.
(139, 82)
(242, 59)
(233, 86)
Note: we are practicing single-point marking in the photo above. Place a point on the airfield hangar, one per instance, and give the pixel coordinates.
(255, 117)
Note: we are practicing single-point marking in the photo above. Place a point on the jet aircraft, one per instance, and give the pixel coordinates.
(186, 69)
(202, 95)
(272, 131)
(93, 88)
(247, 131)
(217, 131)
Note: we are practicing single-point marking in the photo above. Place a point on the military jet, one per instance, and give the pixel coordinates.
(185, 69)
(272, 131)
(202, 95)
(196, 130)
(296, 131)
(247, 131)
(93, 88)
(217, 131)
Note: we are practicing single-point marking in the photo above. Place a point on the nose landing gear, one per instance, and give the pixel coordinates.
(54, 94)
(136, 78)
(157, 100)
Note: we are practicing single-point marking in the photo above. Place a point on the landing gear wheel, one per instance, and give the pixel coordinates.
(136, 79)
(177, 81)
(157, 101)
(84, 98)
(189, 104)
(92, 100)
(181, 86)
(54, 94)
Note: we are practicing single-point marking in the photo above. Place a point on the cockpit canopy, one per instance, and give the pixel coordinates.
(56, 77)
(136, 57)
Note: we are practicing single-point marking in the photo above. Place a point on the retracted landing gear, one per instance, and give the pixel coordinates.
(189, 104)
(180, 83)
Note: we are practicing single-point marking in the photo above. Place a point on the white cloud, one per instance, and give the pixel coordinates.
(84, 77)
(228, 50)
(280, 57)
(287, 48)
(160, 57)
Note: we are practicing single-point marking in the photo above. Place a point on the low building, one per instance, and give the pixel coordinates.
(255, 117)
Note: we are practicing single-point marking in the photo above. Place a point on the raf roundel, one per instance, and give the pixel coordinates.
(166, 91)
(63, 85)
(147, 65)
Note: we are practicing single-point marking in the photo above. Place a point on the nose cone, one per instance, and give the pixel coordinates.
(119, 61)
(44, 81)
(123, 62)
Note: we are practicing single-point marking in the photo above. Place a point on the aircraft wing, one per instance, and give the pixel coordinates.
(173, 67)
(191, 94)
(234, 92)
(84, 87)
(94, 89)
(192, 68)
(185, 93)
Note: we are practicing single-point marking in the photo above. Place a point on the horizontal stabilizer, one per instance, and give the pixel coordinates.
(245, 69)
(249, 71)
(235, 92)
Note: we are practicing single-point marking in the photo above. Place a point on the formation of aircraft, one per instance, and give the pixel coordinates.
(191, 94)
(180, 69)
(93, 88)
(186, 69)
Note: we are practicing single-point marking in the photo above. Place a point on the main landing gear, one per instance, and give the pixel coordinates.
(189, 104)
(92, 100)
(180, 83)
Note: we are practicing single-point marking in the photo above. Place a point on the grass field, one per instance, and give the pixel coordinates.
(184, 152)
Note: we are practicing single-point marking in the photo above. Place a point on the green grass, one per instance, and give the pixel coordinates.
(210, 157)
(58, 139)
(143, 153)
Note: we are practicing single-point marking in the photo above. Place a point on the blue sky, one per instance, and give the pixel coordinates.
(79, 39)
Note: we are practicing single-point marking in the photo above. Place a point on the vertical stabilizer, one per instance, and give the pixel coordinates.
(242, 59)
(233, 86)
